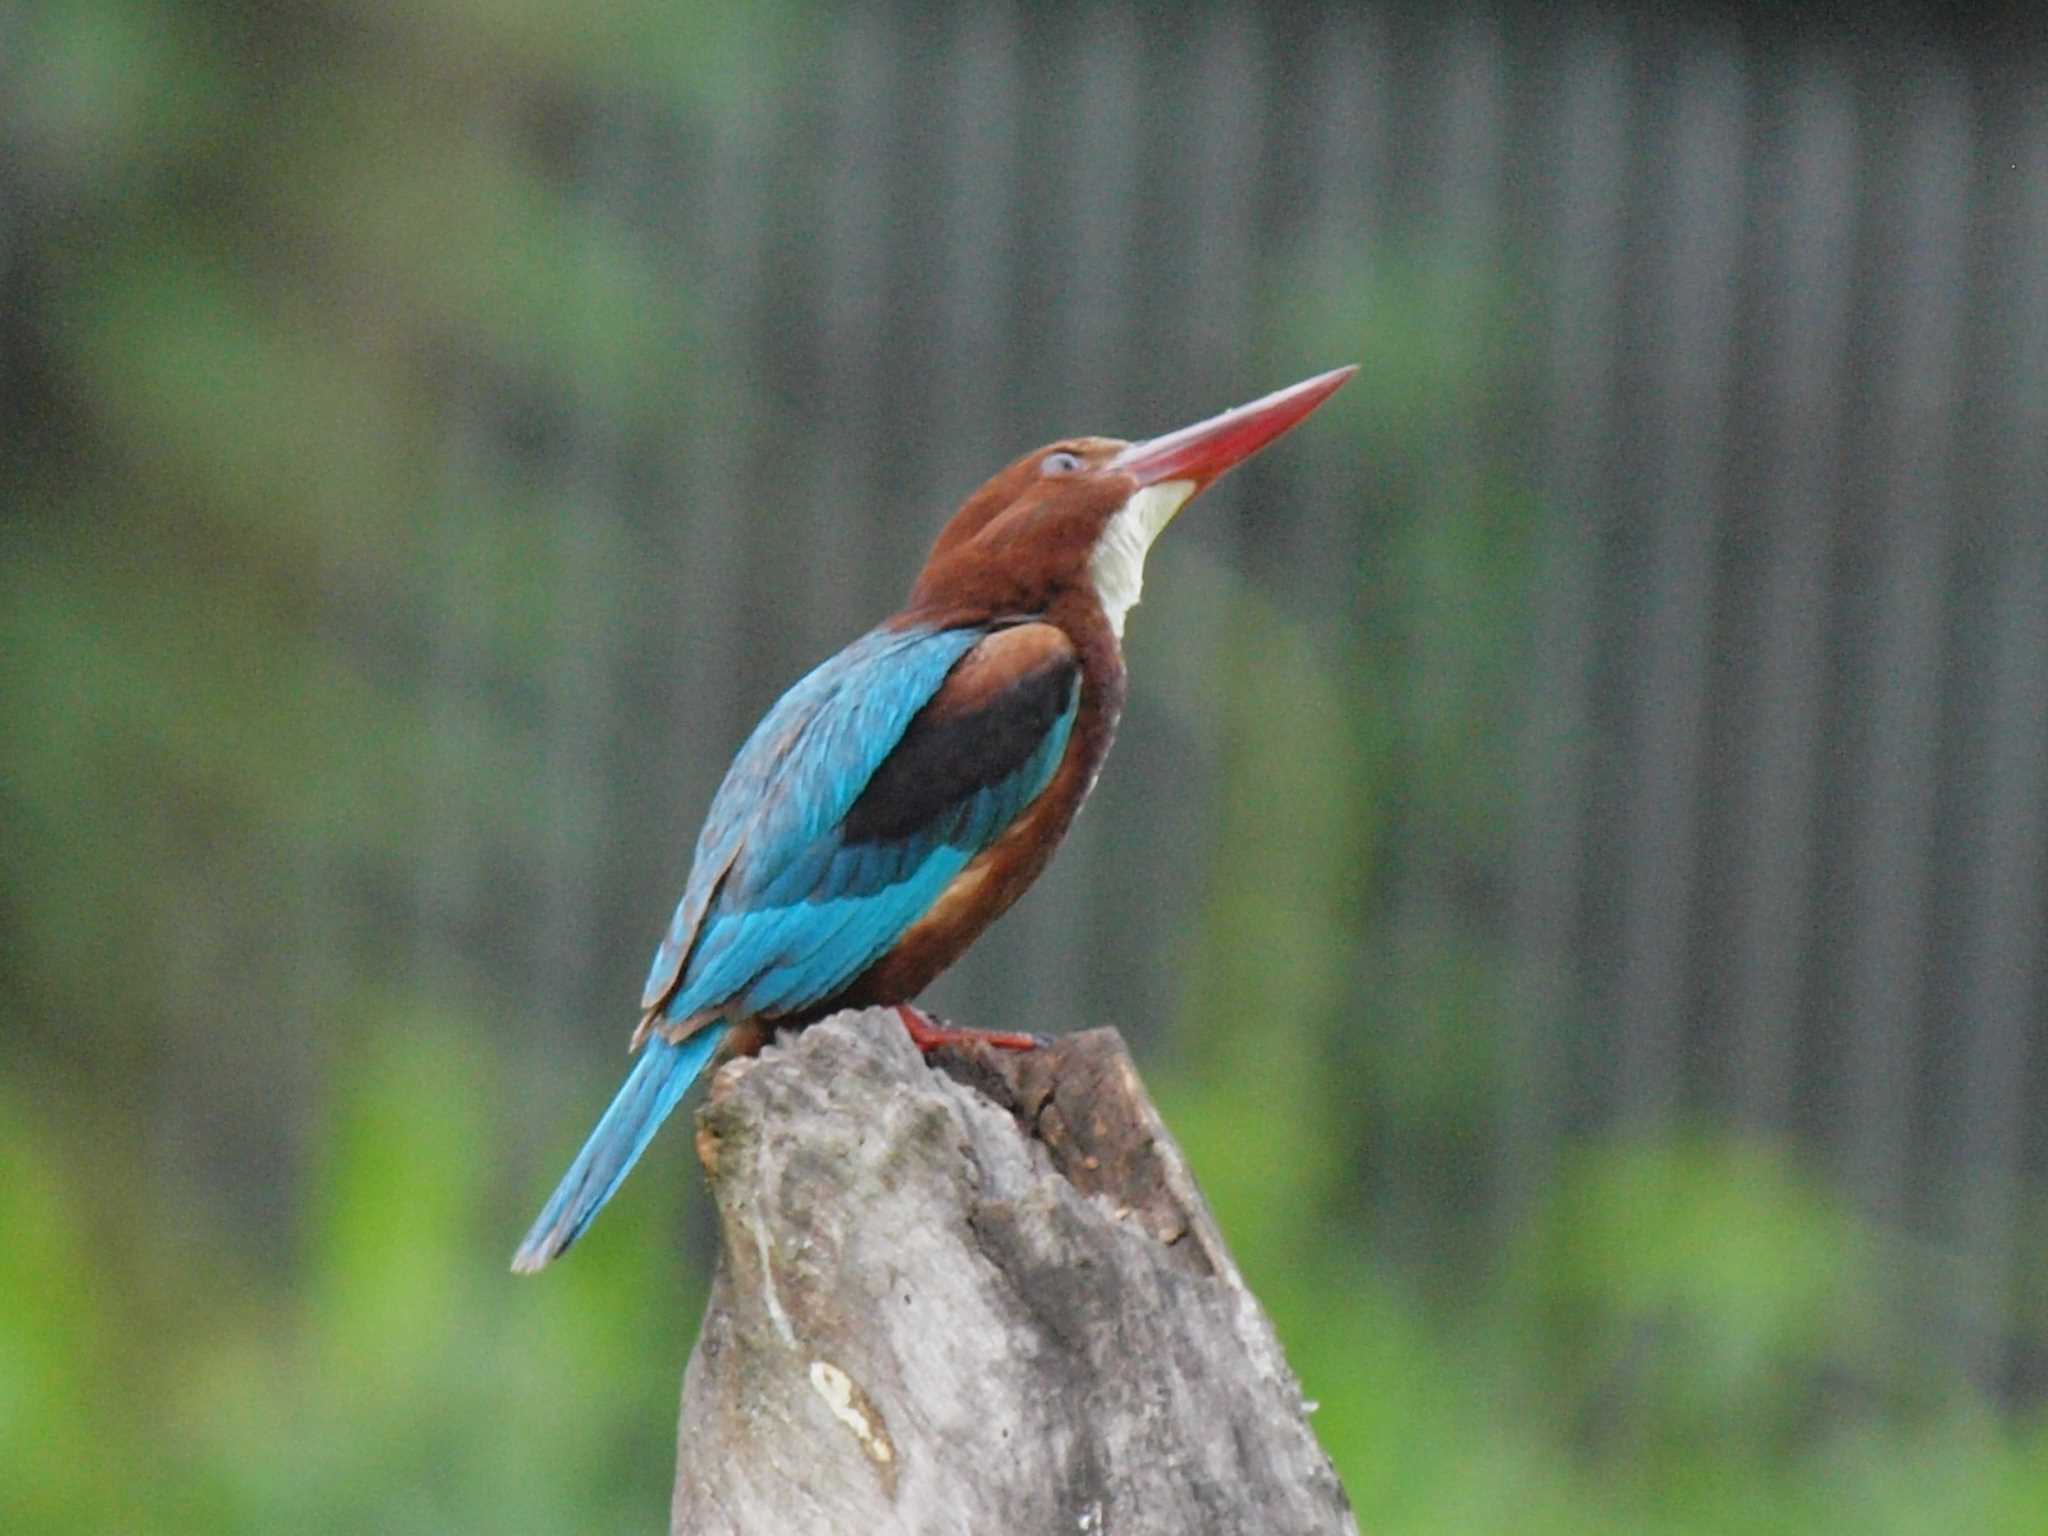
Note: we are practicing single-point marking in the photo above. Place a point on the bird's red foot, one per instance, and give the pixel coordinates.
(927, 1034)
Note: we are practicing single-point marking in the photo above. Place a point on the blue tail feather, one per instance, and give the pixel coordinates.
(659, 1078)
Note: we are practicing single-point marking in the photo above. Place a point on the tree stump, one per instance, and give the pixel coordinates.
(1004, 1307)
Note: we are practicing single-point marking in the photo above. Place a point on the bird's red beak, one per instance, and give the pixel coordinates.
(1202, 452)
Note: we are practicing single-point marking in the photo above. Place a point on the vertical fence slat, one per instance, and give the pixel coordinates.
(1810, 267)
(1464, 222)
(579, 685)
(1096, 183)
(847, 418)
(1694, 297)
(729, 457)
(1891, 850)
(975, 253)
(1587, 141)
(2004, 988)
(1463, 216)
(1322, 546)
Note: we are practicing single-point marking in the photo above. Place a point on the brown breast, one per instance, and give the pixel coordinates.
(996, 877)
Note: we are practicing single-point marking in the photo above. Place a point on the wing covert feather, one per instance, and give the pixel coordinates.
(781, 791)
(868, 788)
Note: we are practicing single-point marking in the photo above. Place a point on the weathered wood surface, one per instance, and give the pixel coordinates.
(943, 1308)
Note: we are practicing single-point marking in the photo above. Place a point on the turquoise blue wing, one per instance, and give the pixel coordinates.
(852, 806)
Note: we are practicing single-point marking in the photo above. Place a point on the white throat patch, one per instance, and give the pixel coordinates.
(1117, 567)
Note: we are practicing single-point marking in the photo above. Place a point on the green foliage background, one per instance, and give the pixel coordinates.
(258, 240)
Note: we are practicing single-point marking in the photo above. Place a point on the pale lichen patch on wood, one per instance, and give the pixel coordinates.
(850, 1406)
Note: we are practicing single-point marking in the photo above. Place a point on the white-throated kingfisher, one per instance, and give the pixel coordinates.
(896, 801)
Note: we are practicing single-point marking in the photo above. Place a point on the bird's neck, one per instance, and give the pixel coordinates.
(1116, 565)
(1096, 635)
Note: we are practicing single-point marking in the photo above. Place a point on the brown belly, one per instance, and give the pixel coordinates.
(977, 896)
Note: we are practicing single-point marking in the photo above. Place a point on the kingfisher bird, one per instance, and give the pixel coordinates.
(898, 799)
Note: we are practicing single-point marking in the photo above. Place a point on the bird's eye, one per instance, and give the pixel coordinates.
(1061, 463)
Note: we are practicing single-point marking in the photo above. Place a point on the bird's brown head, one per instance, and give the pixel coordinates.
(1077, 516)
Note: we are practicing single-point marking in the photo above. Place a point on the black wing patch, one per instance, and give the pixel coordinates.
(949, 752)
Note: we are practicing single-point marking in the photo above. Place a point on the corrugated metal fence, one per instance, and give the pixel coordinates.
(1755, 332)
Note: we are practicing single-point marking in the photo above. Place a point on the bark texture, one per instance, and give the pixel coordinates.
(986, 1298)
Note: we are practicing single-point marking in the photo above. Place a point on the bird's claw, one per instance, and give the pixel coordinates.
(929, 1034)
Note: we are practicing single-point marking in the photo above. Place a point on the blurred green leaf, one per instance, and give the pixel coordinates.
(1693, 1288)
